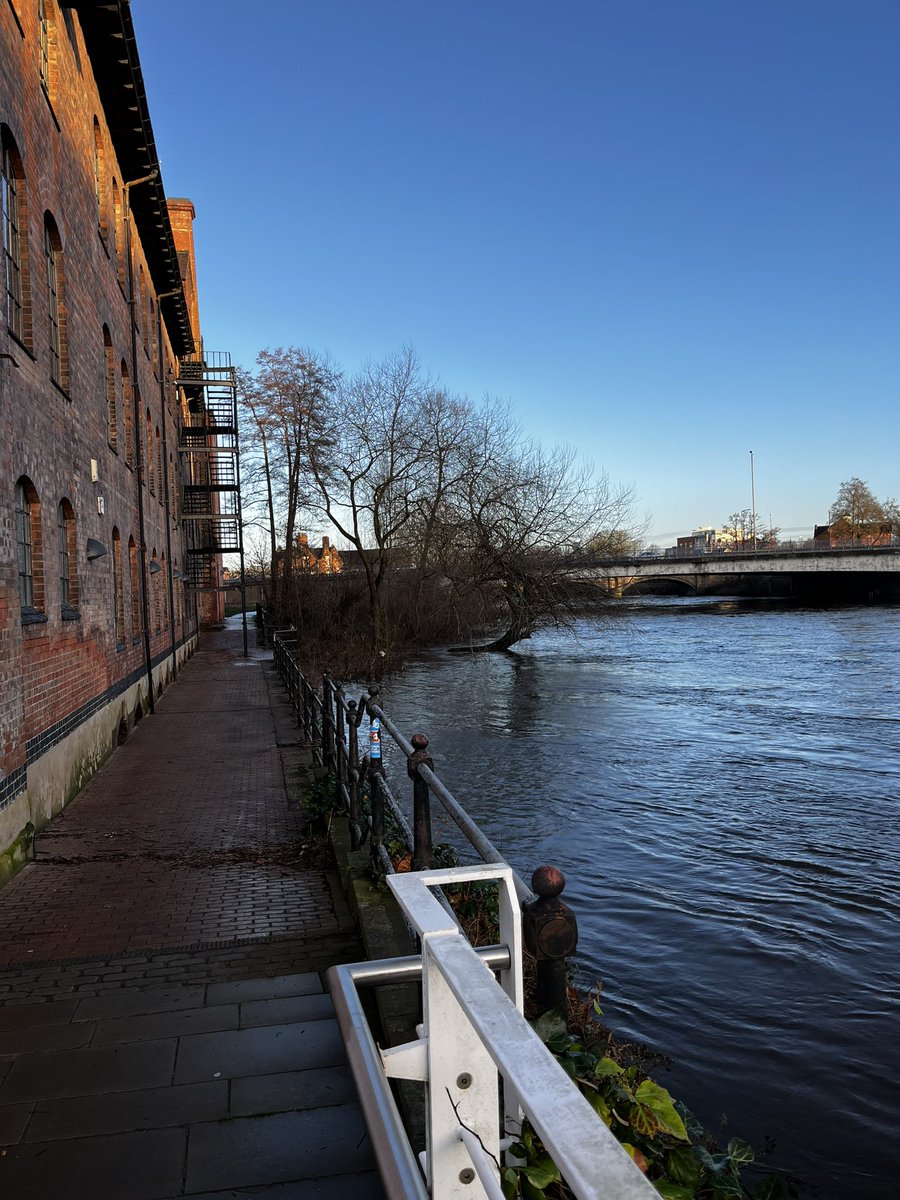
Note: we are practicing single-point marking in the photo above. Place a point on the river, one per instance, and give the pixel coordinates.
(719, 781)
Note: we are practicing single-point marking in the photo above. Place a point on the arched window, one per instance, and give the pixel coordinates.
(164, 592)
(112, 391)
(120, 232)
(118, 596)
(15, 242)
(173, 490)
(100, 182)
(127, 413)
(47, 41)
(176, 615)
(154, 348)
(68, 557)
(29, 548)
(140, 314)
(134, 568)
(151, 456)
(159, 465)
(155, 574)
(56, 303)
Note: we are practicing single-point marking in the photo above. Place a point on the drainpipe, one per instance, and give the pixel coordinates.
(166, 497)
(137, 421)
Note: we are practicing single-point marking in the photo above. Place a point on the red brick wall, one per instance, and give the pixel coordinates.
(51, 669)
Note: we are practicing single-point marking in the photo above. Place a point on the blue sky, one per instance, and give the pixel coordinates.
(667, 230)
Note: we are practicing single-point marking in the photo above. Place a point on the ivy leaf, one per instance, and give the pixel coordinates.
(696, 1132)
(673, 1191)
(740, 1153)
(559, 1042)
(510, 1184)
(549, 1023)
(605, 1067)
(599, 1105)
(530, 1192)
(715, 1164)
(636, 1156)
(655, 1098)
(683, 1166)
(542, 1173)
(642, 1120)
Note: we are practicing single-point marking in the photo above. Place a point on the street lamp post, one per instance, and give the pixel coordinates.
(752, 503)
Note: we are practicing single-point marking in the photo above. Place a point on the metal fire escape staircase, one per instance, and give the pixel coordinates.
(208, 445)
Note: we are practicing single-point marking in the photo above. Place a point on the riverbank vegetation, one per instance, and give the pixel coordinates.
(455, 527)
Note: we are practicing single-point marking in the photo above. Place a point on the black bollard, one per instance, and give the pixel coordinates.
(423, 856)
(551, 935)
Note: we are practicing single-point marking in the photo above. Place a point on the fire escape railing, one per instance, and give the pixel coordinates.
(209, 449)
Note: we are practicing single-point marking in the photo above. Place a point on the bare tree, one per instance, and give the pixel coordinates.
(290, 401)
(855, 511)
(367, 460)
(530, 520)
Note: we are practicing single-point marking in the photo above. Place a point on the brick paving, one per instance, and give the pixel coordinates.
(164, 1027)
(170, 843)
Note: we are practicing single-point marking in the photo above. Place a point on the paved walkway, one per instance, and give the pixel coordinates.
(164, 1029)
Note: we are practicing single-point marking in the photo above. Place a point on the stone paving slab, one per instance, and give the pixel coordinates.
(269, 1149)
(128, 1166)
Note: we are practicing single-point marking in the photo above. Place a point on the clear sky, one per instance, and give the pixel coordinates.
(667, 230)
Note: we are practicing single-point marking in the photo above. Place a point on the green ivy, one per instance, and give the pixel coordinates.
(663, 1138)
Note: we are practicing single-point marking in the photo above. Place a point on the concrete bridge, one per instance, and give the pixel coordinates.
(869, 571)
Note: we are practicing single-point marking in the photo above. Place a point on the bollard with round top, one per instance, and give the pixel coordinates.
(423, 855)
(551, 935)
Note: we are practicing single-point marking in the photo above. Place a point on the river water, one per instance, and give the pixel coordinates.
(719, 781)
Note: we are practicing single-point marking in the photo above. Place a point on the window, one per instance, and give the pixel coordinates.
(100, 182)
(164, 592)
(15, 248)
(44, 40)
(68, 578)
(154, 348)
(127, 413)
(120, 233)
(118, 597)
(151, 457)
(56, 308)
(112, 391)
(47, 47)
(135, 589)
(28, 548)
(155, 572)
(159, 465)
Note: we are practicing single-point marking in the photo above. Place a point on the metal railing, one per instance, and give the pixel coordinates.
(483, 1066)
(474, 1045)
(331, 724)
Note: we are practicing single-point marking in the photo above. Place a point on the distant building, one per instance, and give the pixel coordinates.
(702, 541)
(309, 560)
(839, 534)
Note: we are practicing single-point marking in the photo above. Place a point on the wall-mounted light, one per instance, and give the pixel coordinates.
(95, 549)
(155, 566)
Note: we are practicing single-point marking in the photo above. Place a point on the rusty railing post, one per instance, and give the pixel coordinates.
(423, 856)
(551, 935)
(327, 723)
(339, 747)
(353, 774)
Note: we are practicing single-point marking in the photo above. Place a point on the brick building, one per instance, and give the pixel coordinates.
(99, 308)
